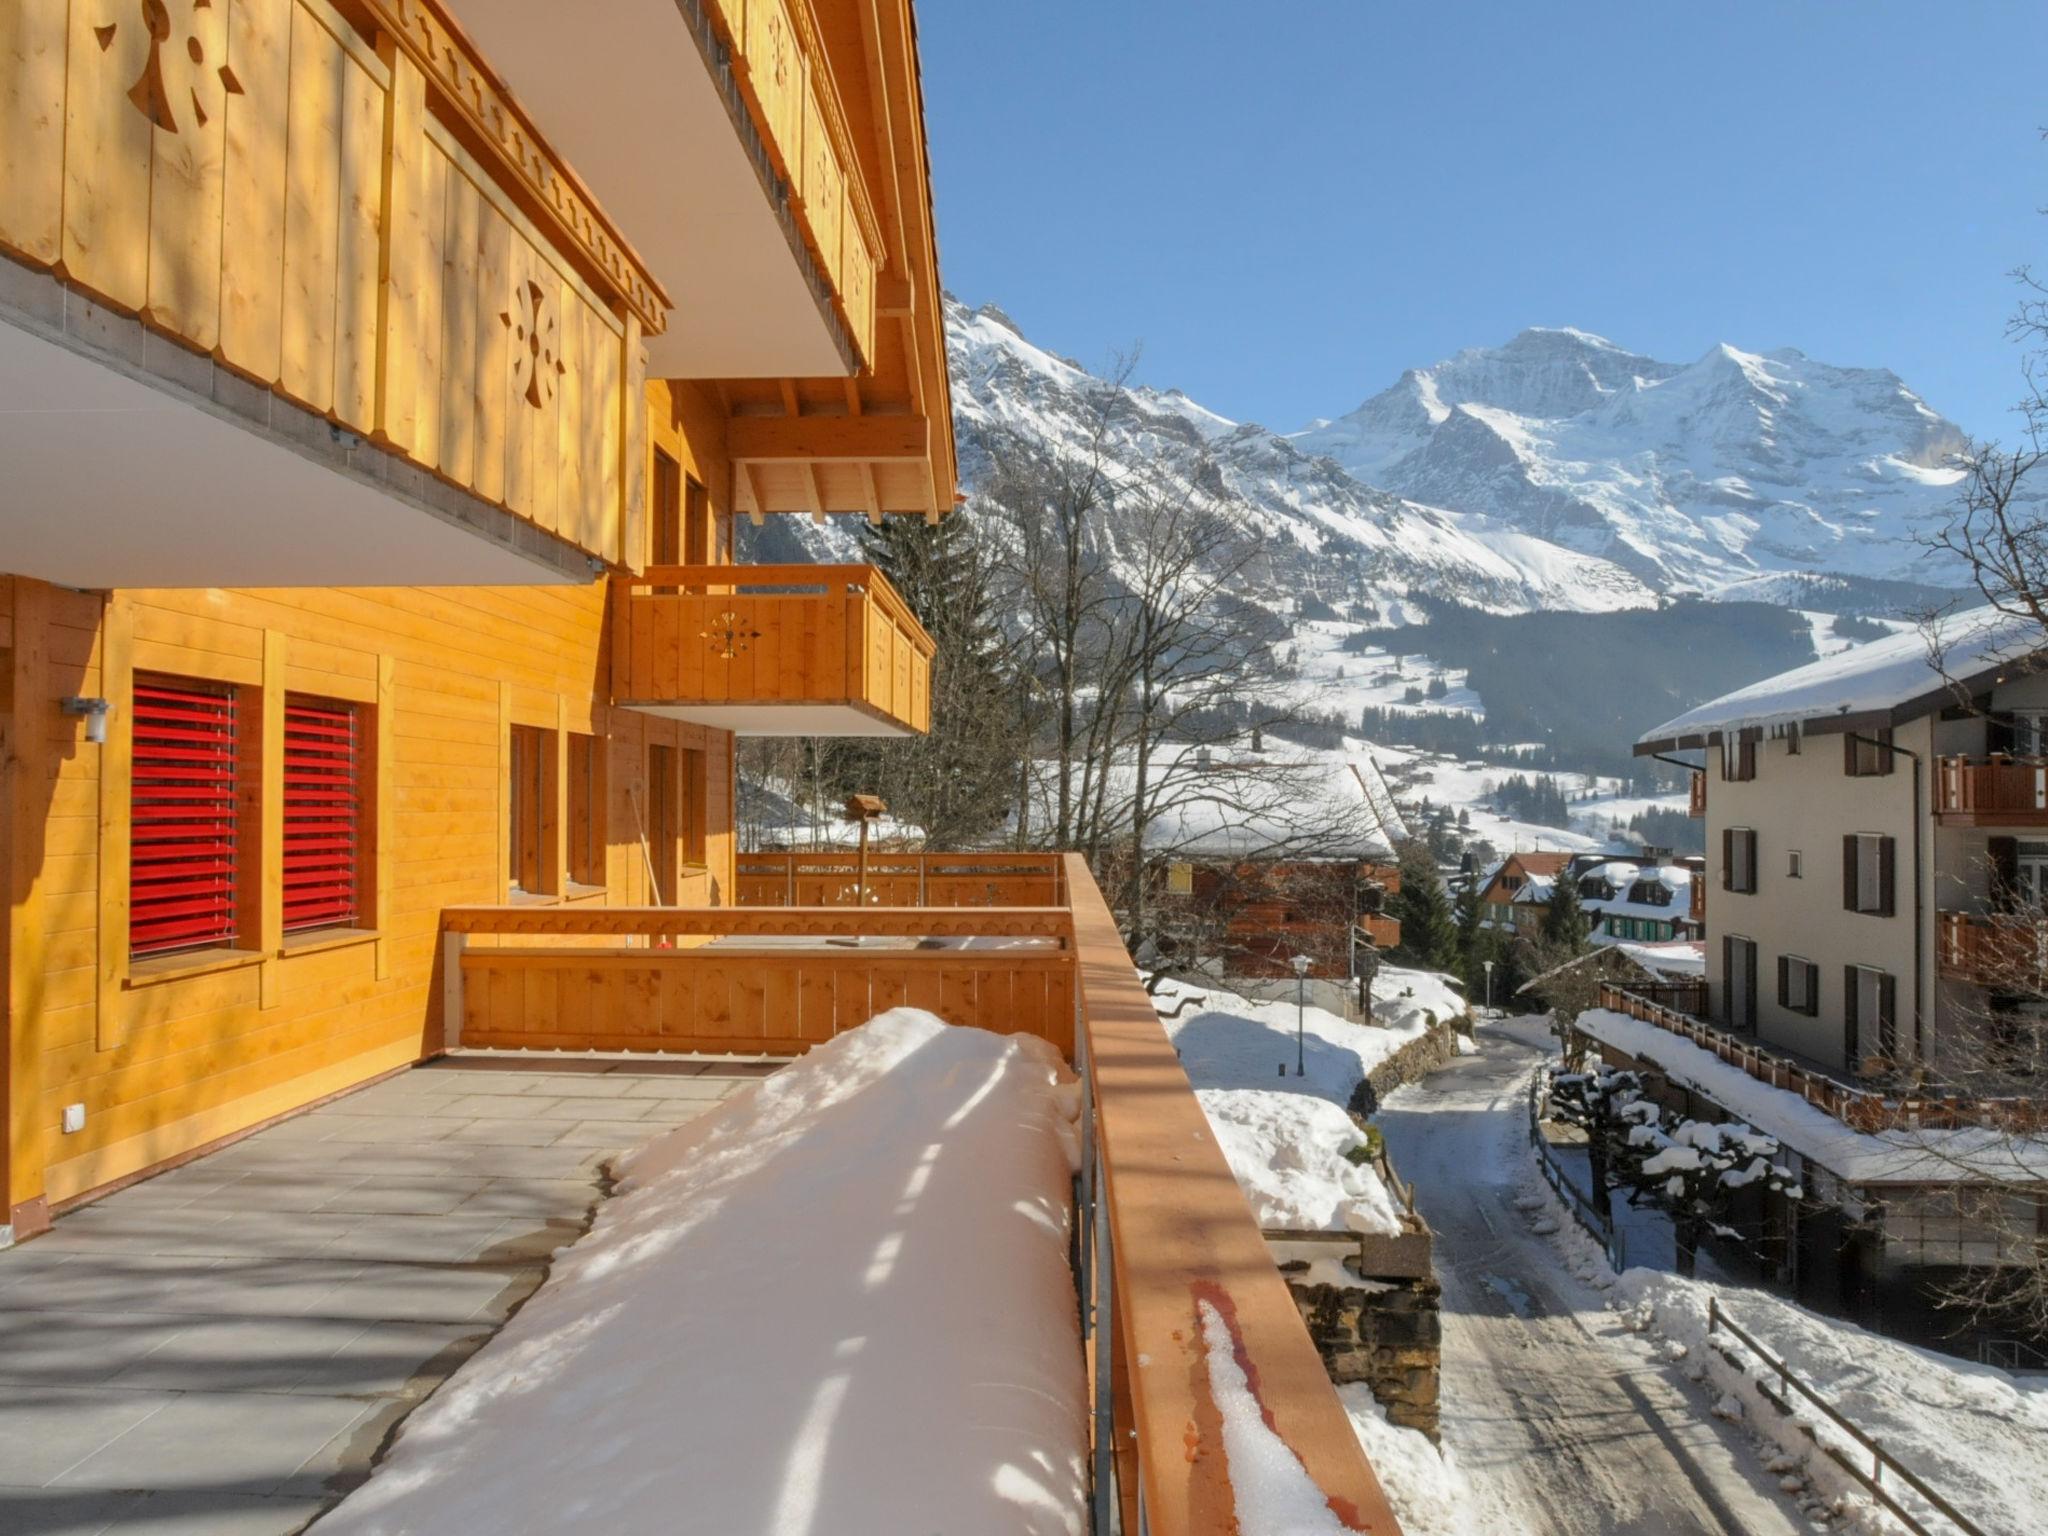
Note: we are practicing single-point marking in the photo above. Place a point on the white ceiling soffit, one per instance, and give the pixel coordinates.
(780, 719)
(622, 91)
(112, 482)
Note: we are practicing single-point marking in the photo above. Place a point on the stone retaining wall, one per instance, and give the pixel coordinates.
(1387, 1334)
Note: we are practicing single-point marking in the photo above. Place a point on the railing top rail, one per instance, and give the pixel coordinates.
(1182, 1236)
(762, 922)
(833, 579)
(1030, 863)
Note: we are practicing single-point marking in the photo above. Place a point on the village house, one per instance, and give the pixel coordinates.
(382, 382)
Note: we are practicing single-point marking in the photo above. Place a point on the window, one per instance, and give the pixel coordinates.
(1738, 859)
(2019, 874)
(1738, 756)
(1869, 1016)
(1793, 865)
(530, 805)
(1867, 753)
(185, 810)
(1738, 982)
(586, 810)
(665, 495)
(662, 824)
(1798, 985)
(322, 813)
(692, 824)
(696, 524)
(1868, 861)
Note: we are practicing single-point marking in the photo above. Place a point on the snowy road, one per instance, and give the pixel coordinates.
(1558, 1415)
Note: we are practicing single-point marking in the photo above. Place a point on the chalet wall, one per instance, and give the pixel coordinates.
(167, 1059)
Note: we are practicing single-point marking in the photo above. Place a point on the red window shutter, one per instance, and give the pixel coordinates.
(321, 813)
(182, 866)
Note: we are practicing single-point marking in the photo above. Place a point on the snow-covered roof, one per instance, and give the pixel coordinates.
(1680, 960)
(1616, 872)
(1855, 1157)
(1878, 684)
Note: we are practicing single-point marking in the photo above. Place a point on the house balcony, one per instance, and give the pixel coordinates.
(718, 131)
(1696, 795)
(356, 317)
(1167, 1249)
(2002, 951)
(899, 880)
(772, 650)
(1995, 791)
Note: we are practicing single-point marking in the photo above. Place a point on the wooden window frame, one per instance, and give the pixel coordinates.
(1729, 941)
(1883, 895)
(531, 811)
(1868, 754)
(1887, 1018)
(240, 795)
(1744, 838)
(1807, 974)
(588, 826)
(663, 829)
(693, 765)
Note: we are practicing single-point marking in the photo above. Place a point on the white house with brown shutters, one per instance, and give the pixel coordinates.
(1877, 835)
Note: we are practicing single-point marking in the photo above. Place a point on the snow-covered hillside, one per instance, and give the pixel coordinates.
(1690, 476)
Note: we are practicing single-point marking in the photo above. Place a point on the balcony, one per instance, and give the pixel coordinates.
(1696, 794)
(1164, 1232)
(718, 131)
(358, 321)
(900, 880)
(1991, 791)
(773, 650)
(2003, 951)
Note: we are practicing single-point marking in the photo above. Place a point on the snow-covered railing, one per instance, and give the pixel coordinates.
(1214, 1412)
(1881, 1460)
(1861, 1109)
(1992, 791)
(832, 878)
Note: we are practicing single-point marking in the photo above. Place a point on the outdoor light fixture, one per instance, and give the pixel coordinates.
(1489, 984)
(1301, 965)
(95, 712)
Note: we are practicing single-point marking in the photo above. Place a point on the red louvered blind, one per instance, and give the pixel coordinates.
(321, 820)
(182, 871)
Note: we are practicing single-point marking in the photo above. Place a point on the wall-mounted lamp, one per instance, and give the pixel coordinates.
(95, 712)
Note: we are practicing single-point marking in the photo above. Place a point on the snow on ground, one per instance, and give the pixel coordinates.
(1332, 679)
(1288, 1152)
(1232, 1042)
(838, 1303)
(1423, 1482)
(1978, 1436)
(1468, 785)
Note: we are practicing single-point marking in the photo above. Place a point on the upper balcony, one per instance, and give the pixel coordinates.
(357, 318)
(772, 650)
(1996, 791)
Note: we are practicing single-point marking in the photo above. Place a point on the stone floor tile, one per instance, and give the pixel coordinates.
(680, 1088)
(618, 1135)
(406, 1197)
(211, 1512)
(510, 1133)
(66, 1511)
(48, 1430)
(78, 1349)
(251, 1443)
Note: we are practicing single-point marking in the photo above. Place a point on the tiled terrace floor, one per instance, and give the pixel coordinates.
(221, 1350)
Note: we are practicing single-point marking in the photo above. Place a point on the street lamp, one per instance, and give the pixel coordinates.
(1489, 984)
(1301, 965)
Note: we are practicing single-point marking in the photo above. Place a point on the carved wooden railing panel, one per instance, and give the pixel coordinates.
(708, 634)
(271, 186)
(783, 70)
(833, 879)
(1992, 791)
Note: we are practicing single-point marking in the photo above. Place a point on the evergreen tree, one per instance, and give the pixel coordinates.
(1467, 911)
(1429, 934)
(1564, 920)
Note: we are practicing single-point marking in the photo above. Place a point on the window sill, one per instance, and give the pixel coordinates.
(579, 892)
(317, 940)
(518, 898)
(191, 962)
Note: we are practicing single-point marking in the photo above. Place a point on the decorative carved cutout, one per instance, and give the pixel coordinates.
(180, 76)
(536, 350)
(727, 638)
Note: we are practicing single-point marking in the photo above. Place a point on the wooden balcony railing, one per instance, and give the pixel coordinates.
(1859, 1108)
(1696, 900)
(1696, 795)
(2003, 950)
(356, 217)
(1173, 1269)
(1385, 932)
(1991, 791)
(833, 879)
(815, 650)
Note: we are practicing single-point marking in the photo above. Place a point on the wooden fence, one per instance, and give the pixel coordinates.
(1881, 1460)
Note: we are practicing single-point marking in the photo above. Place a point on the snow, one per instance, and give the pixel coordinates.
(1288, 1152)
(1977, 1436)
(1271, 1488)
(1424, 1483)
(1233, 1042)
(1878, 676)
(1856, 1157)
(839, 1302)
(1679, 960)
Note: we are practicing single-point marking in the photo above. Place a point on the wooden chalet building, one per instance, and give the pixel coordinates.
(380, 383)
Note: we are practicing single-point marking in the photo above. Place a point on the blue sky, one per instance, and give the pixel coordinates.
(1288, 203)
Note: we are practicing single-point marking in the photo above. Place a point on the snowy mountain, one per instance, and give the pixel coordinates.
(1692, 477)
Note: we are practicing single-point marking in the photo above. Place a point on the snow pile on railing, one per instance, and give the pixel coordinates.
(1289, 1152)
(839, 1303)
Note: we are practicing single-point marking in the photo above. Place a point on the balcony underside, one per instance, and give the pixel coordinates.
(133, 462)
(628, 97)
(743, 719)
